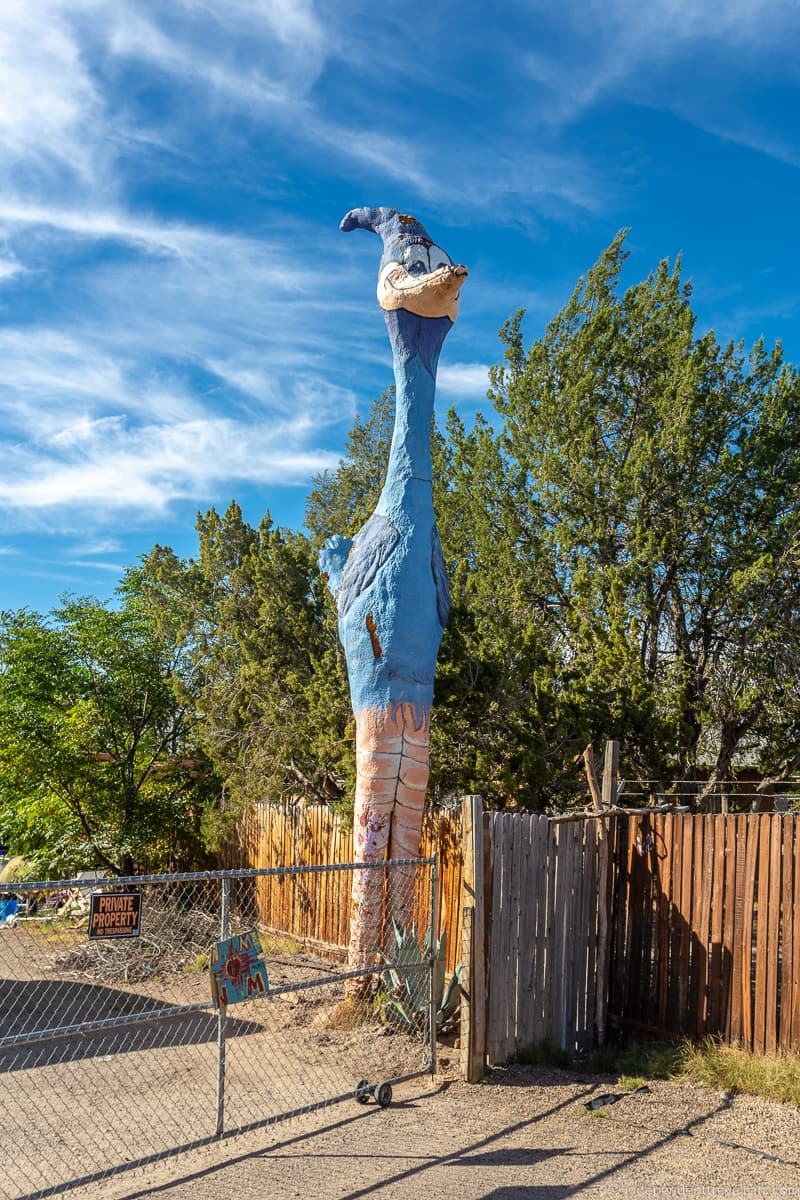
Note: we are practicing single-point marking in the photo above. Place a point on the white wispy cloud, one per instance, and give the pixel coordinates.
(148, 467)
(274, 54)
(194, 376)
(92, 565)
(204, 246)
(272, 49)
(625, 49)
(62, 116)
(9, 266)
(95, 546)
(141, 452)
(50, 105)
(57, 387)
(198, 357)
(463, 380)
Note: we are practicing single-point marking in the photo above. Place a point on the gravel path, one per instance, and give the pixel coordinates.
(521, 1134)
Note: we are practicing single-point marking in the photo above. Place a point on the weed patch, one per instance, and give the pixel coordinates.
(545, 1054)
(711, 1063)
(732, 1069)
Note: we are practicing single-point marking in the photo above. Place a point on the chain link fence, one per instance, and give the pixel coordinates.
(113, 1053)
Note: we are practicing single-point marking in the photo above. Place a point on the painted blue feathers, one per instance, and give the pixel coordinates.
(372, 546)
(332, 560)
(440, 580)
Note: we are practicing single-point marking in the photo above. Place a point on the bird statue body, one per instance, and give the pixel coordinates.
(390, 581)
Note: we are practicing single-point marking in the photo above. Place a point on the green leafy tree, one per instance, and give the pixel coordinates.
(258, 631)
(340, 501)
(657, 474)
(97, 762)
(504, 722)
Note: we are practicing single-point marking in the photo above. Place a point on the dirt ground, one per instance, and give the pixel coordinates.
(523, 1133)
(79, 1105)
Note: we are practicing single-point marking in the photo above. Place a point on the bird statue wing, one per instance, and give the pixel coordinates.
(372, 546)
(332, 559)
(440, 579)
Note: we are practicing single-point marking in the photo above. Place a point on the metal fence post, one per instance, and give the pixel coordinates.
(222, 1014)
(432, 976)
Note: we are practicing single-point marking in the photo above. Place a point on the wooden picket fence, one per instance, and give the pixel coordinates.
(277, 835)
(706, 922)
(541, 910)
(695, 930)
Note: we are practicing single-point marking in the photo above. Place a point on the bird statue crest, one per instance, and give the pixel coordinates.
(390, 580)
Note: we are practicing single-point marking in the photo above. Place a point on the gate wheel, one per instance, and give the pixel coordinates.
(384, 1095)
(363, 1091)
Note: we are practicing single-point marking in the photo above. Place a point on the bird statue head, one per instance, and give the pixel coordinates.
(415, 274)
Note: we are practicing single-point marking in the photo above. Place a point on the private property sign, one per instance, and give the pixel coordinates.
(115, 915)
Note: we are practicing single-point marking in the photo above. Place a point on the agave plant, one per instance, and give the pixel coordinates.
(408, 1003)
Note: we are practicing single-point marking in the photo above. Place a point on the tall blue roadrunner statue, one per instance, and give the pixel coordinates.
(390, 581)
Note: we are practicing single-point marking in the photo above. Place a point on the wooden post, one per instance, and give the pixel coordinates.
(591, 775)
(610, 774)
(473, 1009)
(609, 796)
(469, 999)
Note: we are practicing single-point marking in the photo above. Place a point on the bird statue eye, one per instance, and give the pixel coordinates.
(415, 260)
(438, 258)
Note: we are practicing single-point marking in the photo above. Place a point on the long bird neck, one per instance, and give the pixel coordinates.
(410, 462)
(409, 477)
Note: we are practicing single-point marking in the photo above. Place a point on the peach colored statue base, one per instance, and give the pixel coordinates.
(392, 762)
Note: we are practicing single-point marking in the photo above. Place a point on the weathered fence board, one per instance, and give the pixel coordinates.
(707, 937)
(494, 926)
(733, 945)
(473, 992)
(715, 1002)
(788, 948)
(542, 843)
(795, 1017)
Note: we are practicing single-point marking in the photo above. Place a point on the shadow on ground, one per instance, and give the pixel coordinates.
(33, 1006)
(486, 1153)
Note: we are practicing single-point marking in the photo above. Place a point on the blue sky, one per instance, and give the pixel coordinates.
(181, 321)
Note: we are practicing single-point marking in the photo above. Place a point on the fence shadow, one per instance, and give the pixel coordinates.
(484, 1152)
(31, 1006)
(670, 975)
(477, 1154)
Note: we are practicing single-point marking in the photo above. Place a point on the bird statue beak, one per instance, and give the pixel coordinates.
(435, 294)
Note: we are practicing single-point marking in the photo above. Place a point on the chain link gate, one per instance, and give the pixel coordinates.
(113, 1055)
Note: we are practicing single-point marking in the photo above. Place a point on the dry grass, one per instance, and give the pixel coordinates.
(639, 1060)
(349, 1013)
(630, 1083)
(710, 1063)
(730, 1068)
(278, 943)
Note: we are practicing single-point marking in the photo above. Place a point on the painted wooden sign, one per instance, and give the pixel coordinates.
(237, 971)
